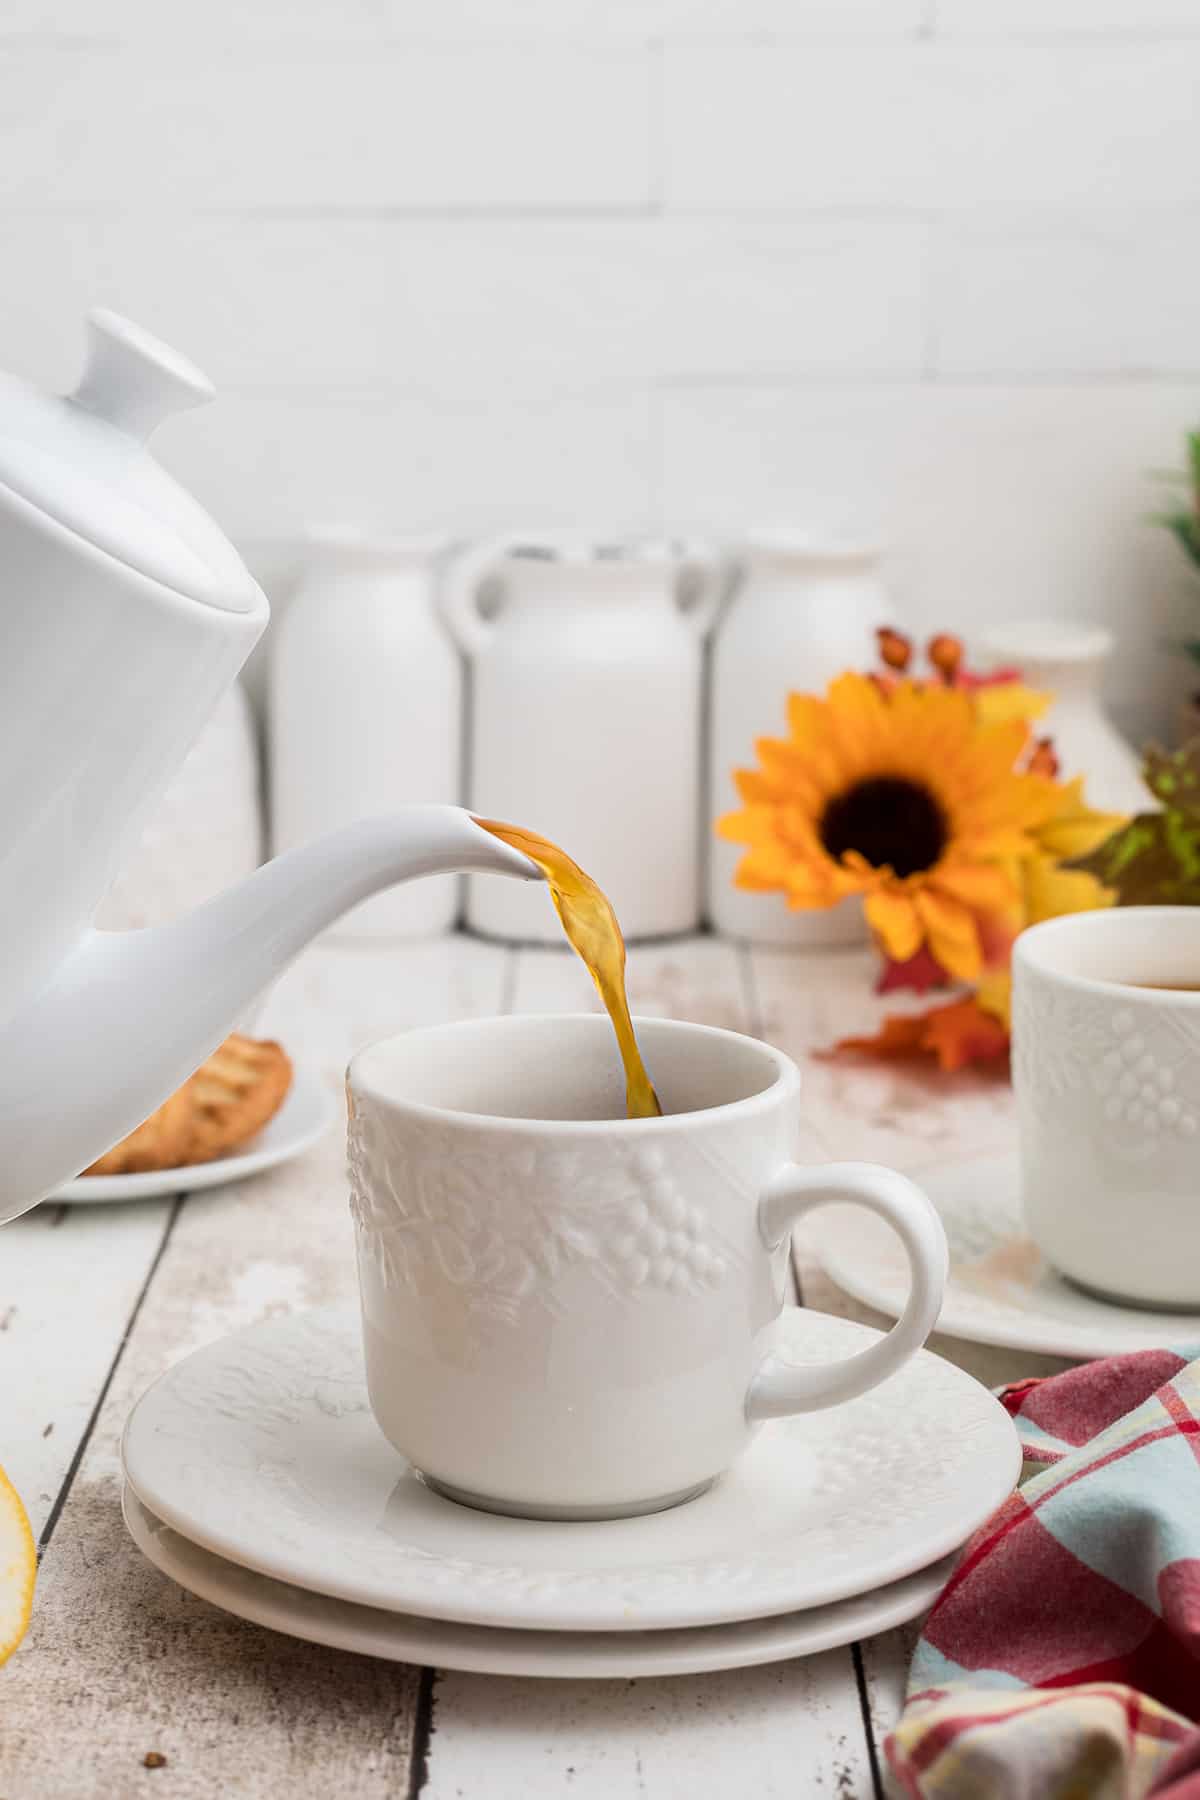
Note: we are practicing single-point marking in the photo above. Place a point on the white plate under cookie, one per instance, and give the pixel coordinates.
(1000, 1289)
(305, 1116)
(487, 1650)
(262, 1449)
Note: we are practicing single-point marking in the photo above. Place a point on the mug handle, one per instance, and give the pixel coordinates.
(707, 582)
(779, 1388)
(458, 591)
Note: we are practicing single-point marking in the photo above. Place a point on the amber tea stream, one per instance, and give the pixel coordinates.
(593, 933)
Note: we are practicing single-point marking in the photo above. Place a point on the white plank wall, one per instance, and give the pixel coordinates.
(925, 266)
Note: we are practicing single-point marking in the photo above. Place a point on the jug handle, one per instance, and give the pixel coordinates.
(711, 579)
(458, 591)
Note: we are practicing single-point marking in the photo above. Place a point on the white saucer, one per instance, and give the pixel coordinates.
(1000, 1291)
(262, 1449)
(305, 1116)
(485, 1650)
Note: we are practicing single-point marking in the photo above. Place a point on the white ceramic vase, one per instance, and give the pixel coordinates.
(802, 612)
(365, 694)
(205, 833)
(1067, 660)
(586, 719)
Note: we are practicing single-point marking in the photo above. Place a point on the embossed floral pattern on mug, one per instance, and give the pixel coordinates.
(1137, 1082)
(1143, 1067)
(427, 1216)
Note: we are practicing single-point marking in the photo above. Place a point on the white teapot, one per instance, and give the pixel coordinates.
(124, 615)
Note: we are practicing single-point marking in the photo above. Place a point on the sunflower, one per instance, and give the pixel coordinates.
(906, 796)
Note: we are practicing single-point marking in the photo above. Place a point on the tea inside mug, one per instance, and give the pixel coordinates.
(1150, 948)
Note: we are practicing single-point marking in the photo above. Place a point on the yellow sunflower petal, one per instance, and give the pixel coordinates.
(764, 869)
(1075, 828)
(893, 918)
(996, 845)
(985, 886)
(951, 932)
(857, 699)
(754, 787)
(741, 827)
(994, 995)
(1051, 891)
(1006, 700)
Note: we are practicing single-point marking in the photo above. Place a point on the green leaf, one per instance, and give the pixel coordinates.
(1193, 444)
(1187, 531)
(1154, 860)
(1173, 777)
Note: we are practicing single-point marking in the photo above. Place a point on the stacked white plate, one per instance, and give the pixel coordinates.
(257, 1478)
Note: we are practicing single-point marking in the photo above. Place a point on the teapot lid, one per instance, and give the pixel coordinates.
(81, 460)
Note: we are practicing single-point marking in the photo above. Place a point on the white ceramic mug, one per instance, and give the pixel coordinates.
(571, 1314)
(1106, 1066)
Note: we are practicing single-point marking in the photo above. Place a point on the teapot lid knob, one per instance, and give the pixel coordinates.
(133, 379)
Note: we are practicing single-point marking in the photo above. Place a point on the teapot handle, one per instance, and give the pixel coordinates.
(706, 581)
(458, 591)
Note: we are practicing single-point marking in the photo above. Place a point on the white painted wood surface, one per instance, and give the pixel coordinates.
(95, 1303)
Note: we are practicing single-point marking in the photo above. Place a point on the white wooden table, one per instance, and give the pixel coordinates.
(95, 1302)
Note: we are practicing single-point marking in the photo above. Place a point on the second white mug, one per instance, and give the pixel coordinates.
(1106, 1067)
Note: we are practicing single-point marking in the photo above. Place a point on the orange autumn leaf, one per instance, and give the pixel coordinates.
(955, 1035)
(963, 1033)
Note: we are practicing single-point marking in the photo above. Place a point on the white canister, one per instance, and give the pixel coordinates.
(803, 612)
(1067, 659)
(365, 692)
(587, 681)
(205, 833)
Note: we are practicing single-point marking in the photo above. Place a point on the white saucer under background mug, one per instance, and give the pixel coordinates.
(1000, 1289)
(1106, 1067)
(572, 1314)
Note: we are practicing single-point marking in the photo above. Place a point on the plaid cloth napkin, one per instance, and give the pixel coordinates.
(1063, 1656)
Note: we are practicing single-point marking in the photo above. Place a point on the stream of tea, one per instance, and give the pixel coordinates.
(593, 933)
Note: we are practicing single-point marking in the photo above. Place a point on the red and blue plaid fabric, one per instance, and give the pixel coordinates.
(1062, 1658)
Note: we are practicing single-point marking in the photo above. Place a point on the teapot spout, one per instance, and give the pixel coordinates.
(130, 1015)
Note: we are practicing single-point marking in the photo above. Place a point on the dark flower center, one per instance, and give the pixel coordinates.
(887, 820)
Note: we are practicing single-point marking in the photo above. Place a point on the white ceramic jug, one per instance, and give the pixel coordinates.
(1066, 659)
(365, 695)
(802, 612)
(586, 718)
(206, 831)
